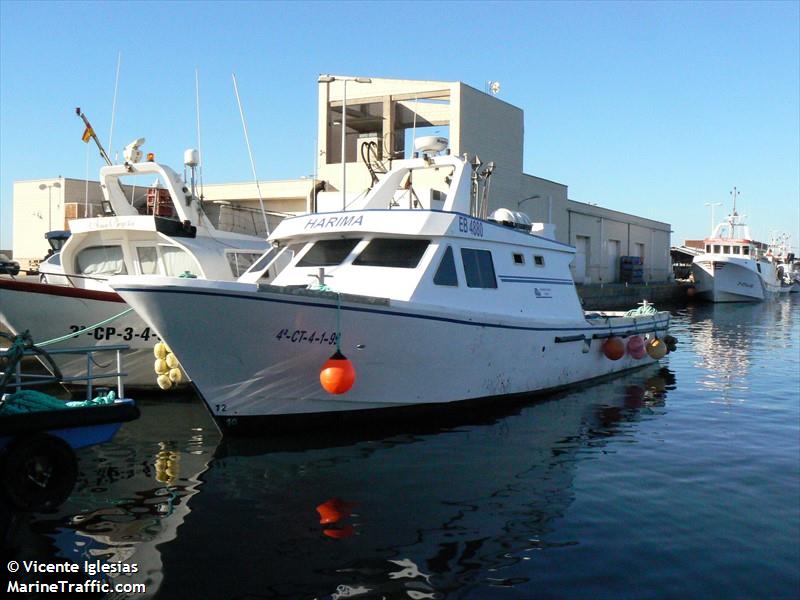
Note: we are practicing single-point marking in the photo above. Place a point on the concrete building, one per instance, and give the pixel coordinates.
(381, 119)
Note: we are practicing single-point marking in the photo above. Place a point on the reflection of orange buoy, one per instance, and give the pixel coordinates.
(691, 291)
(340, 532)
(636, 347)
(613, 348)
(656, 348)
(337, 375)
(334, 510)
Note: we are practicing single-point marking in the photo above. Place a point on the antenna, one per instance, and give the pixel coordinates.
(735, 194)
(114, 103)
(199, 145)
(249, 151)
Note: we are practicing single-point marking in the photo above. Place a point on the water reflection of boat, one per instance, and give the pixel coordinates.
(131, 499)
(418, 515)
(722, 338)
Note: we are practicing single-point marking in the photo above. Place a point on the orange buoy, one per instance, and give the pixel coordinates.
(339, 533)
(635, 347)
(337, 375)
(656, 348)
(334, 510)
(613, 348)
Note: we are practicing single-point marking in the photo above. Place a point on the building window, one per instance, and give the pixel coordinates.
(478, 268)
(538, 261)
(446, 273)
(327, 253)
(519, 259)
(388, 252)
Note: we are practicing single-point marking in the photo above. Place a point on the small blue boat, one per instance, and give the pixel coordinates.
(40, 433)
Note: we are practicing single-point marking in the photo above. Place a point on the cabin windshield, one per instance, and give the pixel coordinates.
(328, 253)
(101, 260)
(392, 252)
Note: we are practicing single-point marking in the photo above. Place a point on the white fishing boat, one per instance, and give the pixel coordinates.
(150, 228)
(786, 265)
(429, 302)
(734, 267)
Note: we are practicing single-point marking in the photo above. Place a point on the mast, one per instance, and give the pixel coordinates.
(89, 133)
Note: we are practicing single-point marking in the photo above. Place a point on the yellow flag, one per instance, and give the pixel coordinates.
(87, 135)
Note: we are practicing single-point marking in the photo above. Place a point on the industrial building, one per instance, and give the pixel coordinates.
(380, 119)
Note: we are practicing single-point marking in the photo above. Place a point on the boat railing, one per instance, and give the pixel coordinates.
(23, 380)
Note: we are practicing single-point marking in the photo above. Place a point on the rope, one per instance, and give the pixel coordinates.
(11, 357)
(325, 288)
(338, 322)
(645, 309)
(90, 328)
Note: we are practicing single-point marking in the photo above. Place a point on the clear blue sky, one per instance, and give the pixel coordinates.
(645, 107)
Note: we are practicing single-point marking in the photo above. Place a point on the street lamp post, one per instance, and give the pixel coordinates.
(344, 80)
(712, 205)
(49, 188)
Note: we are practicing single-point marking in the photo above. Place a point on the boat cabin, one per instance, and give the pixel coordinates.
(418, 252)
(152, 225)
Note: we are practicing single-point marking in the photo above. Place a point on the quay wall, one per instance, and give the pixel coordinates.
(619, 296)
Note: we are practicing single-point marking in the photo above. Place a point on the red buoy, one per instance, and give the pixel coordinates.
(337, 375)
(613, 348)
(636, 347)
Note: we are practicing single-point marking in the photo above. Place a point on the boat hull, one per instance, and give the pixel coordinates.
(264, 359)
(51, 311)
(729, 281)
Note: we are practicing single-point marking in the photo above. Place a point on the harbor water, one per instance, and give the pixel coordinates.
(675, 481)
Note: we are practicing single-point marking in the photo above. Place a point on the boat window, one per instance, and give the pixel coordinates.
(148, 259)
(746, 250)
(327, 253)
(538, 261)
(389, 252)
(726, 249)
(708, 248)
(446, 273)
(736, 249)
(177, 261)
(478, 268)
(264, 260)
(758, 266)
(240, 261)
(716, 248)
(519, 259)
(101, 260)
